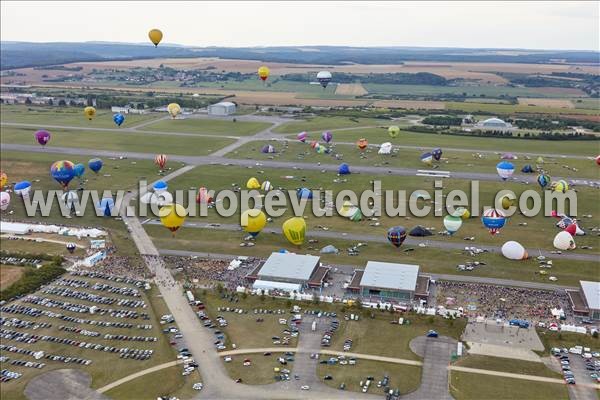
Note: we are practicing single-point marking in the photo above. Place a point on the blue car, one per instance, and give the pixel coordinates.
(432, 333)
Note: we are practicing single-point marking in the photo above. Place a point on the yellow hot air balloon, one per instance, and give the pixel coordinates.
(253, 221)
(173, 109)
(263, 73)
(155, 36)
(172, 216)
(462, 212)
(393, 131)
(253, 183)
(89, 112)
(560, 186)
(3, 179)
(508, 202)
(294, 230)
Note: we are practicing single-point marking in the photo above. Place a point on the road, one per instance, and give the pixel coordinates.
(361, 237)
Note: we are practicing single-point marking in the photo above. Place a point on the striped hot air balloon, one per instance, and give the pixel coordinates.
(493, 220)
(160, 160)
(396, 235)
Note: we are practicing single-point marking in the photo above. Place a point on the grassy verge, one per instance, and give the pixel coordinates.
(261, 372)
(567, 339)
(507, 365)
(208, 126)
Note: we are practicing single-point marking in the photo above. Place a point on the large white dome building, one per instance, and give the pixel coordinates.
(494, 124)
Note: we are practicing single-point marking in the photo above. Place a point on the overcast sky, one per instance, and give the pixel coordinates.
(535, 25)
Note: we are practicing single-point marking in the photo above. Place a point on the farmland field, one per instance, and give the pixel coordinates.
(352, 89)
(544, 102)
(9, 274)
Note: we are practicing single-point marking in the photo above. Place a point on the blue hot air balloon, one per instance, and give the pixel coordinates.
(344, 169)
(79, 170)
(95, 164)
(543, 180)
(63, 172)
(160, 186)
(427, 158)
(396, 235)
(118, 118)
(505, 169)
(304, 193)
(493, 220)
(105, 206)
(437, 154)
(22, 188)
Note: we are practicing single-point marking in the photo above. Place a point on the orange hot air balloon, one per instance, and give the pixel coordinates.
(155, 36)
(362, 144)
(263, 73)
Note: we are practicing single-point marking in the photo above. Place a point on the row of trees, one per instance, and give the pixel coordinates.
(32, 280)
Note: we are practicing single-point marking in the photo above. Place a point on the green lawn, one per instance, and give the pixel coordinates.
(296, 152)
(207, 126)
(68, 116)
(507, 365)
(430, 140)
(261, 372)
(318, 124)
(471, 91)
(517, 108)
(466, 386)
(405, 378)
(106, 367)
(123, 142)
(166, 382)
(567, 339)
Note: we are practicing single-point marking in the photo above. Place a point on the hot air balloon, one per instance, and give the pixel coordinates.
(543, 180)
(564, 241)
(160, 160)
(95, 164)
(324, 77)
(539, 160)
(3, 179)
(294, 230)
(437, 154)
(327, 136)
(252, 183)
(505, 169)
(173, 109)
(79, 170)
(494, 220)
(564, 222)
(427, 158)
(320, 149)
(314, 144)
(4, 200)
(172, 216)
(71, 247)
(70, 198)
(302, 136)
(159, 198)
(344, 169)
(396, 235)
(462, 212)
(22, 188)
(267, 148)
(527, 169)
(155, 36)
(393, 131)
(385, 148)
(62, 171)
(266, 186)
(514, 251)
(263, 73)
(347, 209)
(253, 221)
(89, 112)
(118, 118)
(362, 144)
(160, 186)
(508, 156)
(597, 160)
(452, 223)
(203, 197)
(507, 202)
(560, 186)
(42, 137)
(304, 193)
(106, 206)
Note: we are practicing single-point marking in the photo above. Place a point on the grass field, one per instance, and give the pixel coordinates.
(260, 372)
(593, 104)
(516, 109)
(166, 382)
(507, 365)
(296, 152)
(68, 116)
(567, 339)
(45, 247)
(405, 378)
(430, 140)
(328, 123)
(106, 367)
(208, 126)
(9, 274)
(465, 386)
(123, 142)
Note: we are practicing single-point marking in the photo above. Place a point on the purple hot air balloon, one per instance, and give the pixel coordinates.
(42, 137)
(302, 136)
(327, 136)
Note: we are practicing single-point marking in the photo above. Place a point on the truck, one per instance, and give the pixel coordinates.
(313, 327)
(190, 296)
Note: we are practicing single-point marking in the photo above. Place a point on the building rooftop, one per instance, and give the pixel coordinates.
(225, 104)
(591, 293)
(289, 266)
(390, 276)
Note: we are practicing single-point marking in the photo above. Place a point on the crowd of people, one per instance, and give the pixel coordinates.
(130, 267)
(491, 301)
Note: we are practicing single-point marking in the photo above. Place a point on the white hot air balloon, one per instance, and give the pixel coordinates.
(4, 200)
(69, 198)
(564, 241)
(324, 77)
(514, 251)
(452, 223)
(348, 209)
(386, 148)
